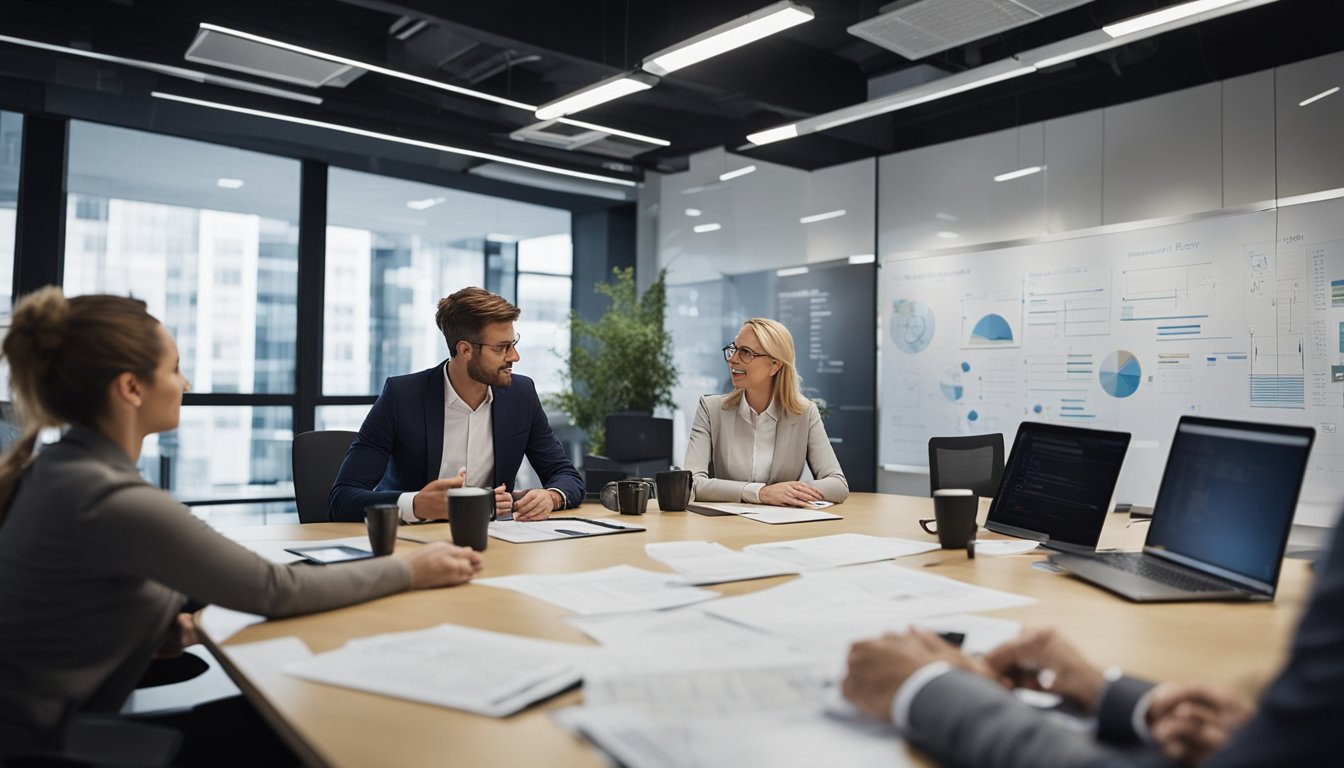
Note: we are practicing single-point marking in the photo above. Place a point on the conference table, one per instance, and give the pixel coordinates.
(1235, 644)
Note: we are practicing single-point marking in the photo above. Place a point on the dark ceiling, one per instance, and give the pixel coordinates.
(535, 51)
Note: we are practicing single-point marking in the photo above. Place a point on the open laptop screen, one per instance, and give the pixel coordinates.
(1227, 497)
(1057, 484)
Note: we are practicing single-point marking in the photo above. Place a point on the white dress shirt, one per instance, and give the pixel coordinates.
(762, 427)
(468, 441)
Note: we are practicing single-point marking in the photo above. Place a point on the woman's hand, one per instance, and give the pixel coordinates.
(441, 564)
(793, 493)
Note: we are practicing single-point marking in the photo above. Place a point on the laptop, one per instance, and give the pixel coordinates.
(1221, 519)
(1057, 485)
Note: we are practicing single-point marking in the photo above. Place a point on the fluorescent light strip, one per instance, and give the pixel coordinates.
(693, 212)
(733, 174)
(1164, 16)
(1019, 173)
(1318, 97)
(822, 216)
(165, 69)
(948, 235)
(791, 271)
(882, 108)
(421, 80)
(227, 183)
(700, 229)
(771, 135)
(725, 37)
(395, 139)
(598, 93)
(863, 258)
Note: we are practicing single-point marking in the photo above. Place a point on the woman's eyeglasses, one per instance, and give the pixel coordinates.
(745, 354)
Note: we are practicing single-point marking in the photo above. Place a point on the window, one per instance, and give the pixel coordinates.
(11, 140)
(147, 217)
(545, 295)
(394, 248)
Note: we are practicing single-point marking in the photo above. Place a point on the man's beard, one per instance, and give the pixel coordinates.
(490, 378)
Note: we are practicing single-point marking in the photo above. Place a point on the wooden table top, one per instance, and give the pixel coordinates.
(1233, 644)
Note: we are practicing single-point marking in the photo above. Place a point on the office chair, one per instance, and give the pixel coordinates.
(317, 460)
(971, 461)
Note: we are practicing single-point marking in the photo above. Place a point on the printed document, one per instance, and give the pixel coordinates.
(708, 562)
(488, 673)
(762, 513)
(840, 549)
(555, 529)
(616, 589)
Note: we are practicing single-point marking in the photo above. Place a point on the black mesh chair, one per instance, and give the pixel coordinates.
(971, 461)
(317, 460)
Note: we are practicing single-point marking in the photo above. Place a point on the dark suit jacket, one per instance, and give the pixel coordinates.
(400, 445)
(962, 719)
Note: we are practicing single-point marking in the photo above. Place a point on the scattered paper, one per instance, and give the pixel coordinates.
(860, 597)
(554, 529)
(220, 624)
(609, 590)
(840, 549)
(488, 673)
(998, 547)
(707, 562)
(765, 513)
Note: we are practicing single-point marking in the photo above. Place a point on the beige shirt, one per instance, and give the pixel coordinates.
(95, 563)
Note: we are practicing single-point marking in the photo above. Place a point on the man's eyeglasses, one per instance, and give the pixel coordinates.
(745, 354)
(504, 348)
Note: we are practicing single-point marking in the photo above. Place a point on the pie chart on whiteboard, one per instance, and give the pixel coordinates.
(1120, 374)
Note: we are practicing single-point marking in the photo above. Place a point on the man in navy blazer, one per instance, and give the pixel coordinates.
(468, 421)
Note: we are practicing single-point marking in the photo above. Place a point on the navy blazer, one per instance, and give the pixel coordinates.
(400, 445)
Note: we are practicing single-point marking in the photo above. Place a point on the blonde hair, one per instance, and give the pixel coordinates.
(62, 354)
(777, 342)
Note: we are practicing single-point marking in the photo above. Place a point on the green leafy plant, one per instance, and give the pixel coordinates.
(622, 362)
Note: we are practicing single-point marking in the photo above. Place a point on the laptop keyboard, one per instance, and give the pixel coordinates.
(1153, 570)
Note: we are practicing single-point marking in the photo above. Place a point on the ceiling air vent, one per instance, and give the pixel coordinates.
(221, 50)
(553, 133)
(919, 28)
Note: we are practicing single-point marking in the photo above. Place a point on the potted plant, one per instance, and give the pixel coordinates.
(622, 362)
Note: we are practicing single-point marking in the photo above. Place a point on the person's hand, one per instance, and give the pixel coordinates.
(431, 502)
(181, 634)
(536, 504)
(441, 564)
(791, 493)
(1191, 722)
(503, 502)
(1041, 659)
(879, 667)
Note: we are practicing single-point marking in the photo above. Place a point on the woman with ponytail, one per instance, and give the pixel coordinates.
(95, 563)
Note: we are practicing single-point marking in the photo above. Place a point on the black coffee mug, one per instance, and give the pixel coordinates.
(632, 496)
(674, 490)
(469, 513)
(954, 511)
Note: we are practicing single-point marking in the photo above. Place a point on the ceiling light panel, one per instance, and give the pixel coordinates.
(920, 29)
(598, 93)
(264, 60)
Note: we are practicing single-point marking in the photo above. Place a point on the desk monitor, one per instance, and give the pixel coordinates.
(1057, 485)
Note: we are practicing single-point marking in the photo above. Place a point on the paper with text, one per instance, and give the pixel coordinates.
(765, 513)
(707, 562)
(840, 549)
(616, 589)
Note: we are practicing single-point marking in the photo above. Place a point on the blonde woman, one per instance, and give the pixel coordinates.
(751, 445)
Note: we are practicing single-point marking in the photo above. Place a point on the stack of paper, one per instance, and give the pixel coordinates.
(488, 673)
(556, 528)
(609, 590)
(706, 562)
(762, 513)
(840, 549)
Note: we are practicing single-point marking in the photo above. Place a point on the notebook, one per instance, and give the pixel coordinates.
(1221, 519)
(1057, 485)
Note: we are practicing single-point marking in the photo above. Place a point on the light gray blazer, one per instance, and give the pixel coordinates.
(717, 445)
(95, 563)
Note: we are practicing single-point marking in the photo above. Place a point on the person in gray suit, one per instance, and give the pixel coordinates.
(751, 445)
(959, 710)
(96, 564)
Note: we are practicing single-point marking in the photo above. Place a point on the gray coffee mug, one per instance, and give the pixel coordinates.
(632, 496)
(382, 521)
(469, 514)
(674, 490)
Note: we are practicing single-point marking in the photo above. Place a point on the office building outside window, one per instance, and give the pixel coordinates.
(545, 294)
(207, 236)
(394, 248)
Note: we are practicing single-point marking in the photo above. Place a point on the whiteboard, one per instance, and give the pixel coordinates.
(1235, 316)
